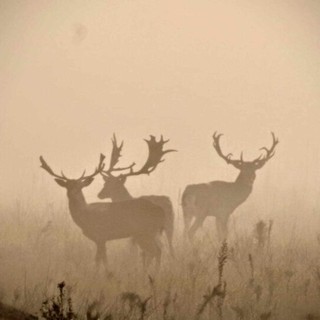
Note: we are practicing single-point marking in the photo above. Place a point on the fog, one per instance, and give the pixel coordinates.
(75, 72)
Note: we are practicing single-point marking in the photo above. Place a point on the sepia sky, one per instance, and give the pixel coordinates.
(74, 72)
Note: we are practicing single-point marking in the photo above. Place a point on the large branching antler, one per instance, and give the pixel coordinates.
(156, 153)
(258, 162)
(155, 157)
(98, 169)
(115, 156)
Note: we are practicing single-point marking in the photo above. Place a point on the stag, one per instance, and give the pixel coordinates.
(114, 185)
(221, 198)
(100, 222)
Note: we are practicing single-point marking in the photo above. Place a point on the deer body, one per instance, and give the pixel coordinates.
(216, 198)
(110, 221)
(221, 198)
(101, 222)
(122, 194)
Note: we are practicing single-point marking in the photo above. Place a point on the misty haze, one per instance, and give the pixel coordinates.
(159, 159)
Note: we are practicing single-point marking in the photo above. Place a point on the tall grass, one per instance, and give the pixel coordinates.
(256, 275)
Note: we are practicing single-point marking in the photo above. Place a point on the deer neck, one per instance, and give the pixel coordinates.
(122, 195)
(77, 206)
(245, 181)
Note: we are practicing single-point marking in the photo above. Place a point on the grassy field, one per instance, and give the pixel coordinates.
(258, 274)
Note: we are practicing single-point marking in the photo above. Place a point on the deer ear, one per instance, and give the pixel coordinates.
(123, 179)
(258, 165)
(87, 182)
(61, 182)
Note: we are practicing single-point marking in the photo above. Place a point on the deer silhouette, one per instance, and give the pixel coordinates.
(100, 222)
(115, 189)
(221, 198)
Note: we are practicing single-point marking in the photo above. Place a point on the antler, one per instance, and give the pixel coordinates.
(46, 167)
(115, 156)
(269, 152)
(99, 168)
(258, 163)
(216, 144)
(156, 153)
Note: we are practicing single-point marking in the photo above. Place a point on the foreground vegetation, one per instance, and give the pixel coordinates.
(256, 275)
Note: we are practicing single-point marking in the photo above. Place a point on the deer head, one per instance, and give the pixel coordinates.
(114, 185)
(73, 185)
(247, 168)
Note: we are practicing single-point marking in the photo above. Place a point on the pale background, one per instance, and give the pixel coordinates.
(74, 72)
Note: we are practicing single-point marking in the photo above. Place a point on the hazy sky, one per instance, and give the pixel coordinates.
(74, 72)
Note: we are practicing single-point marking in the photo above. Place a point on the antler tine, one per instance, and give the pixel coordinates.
(46, 167)
(259, 158)
(63, 175)
(275, 139)
(101, 162)
(164, 141)
(97, 170)
(83, 173)
(216, 136)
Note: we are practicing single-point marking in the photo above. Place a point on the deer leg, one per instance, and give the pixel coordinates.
(187, 224)
(222, 228)
(151, 248)
(169, 235)
(144, 260)
(154, 252)
(101, 255)
(196, 225)
(158, 251)
(133, 247)
(143, 244)
(171, 248)
(187, 218)
(97, 257)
